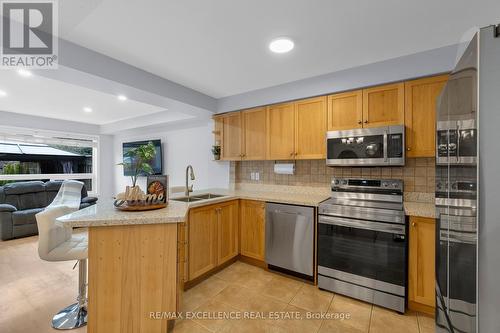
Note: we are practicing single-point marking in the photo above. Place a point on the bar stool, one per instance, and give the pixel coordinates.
(57, 243)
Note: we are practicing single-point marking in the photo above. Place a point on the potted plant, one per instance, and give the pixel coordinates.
(137, 160)
(216, 152)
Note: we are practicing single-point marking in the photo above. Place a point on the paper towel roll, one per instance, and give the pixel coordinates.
(284, 168)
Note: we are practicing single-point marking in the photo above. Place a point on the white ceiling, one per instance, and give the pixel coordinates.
(219, 47)
(40, 96)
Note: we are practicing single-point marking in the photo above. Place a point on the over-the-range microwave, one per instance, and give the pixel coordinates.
(377, 146)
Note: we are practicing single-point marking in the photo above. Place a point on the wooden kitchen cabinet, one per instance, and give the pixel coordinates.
(232, 127)
(281, 131)
(310, 128)
(421, 267)
(345, 111)
(384, 105)
(202, 227)
(227, 231)
(252, 229)
(420, 115)
(254, 134)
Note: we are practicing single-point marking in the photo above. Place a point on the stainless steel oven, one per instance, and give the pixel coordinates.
(456, 142)
(366, 146)
(362, 244)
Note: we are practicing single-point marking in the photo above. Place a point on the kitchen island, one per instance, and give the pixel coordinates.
(132, 266)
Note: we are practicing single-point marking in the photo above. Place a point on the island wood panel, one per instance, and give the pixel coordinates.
(420, 115)
(310, 128)
(254, 134)
(227, 231)
(232, 128)
(384, 105)
(202, 231)
(132, 272)
(281, 131)
(252, 229)
(422, 272)
(345, 111)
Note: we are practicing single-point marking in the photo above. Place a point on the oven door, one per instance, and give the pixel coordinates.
(370, 254)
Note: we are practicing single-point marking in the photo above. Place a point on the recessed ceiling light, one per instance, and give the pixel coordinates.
(281, 45)
(122, 97)
(24, 72)
(87, 109)
(3, 93)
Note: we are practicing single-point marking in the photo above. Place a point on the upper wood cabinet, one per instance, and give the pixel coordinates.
(421, 266)
(231, 136)
(420, 115)
(252, 229)
(384, 105)
(254, 134)
(281, 131)
(227, 231)
(310, 128)
(345, 110)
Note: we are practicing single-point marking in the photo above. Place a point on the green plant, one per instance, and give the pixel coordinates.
(216, 150)
(138, 160)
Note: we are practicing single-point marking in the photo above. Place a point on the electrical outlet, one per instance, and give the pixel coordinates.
(257, 176)
(252, 175)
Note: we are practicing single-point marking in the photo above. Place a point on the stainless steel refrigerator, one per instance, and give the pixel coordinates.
(463, 255)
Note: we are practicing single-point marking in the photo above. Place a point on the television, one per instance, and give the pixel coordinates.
(156, 163)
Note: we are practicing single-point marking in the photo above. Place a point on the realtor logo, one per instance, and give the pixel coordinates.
(29, 34)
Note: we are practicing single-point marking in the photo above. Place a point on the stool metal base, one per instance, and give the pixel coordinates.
(71, 317)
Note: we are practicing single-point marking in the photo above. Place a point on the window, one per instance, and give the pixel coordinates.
(47, 156)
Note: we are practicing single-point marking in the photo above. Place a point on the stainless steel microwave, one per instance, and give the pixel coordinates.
(377, 146)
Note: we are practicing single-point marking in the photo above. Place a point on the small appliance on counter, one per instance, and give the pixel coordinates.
(377, 146)
(362, 243)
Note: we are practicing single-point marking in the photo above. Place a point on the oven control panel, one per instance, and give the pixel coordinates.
(357, 183)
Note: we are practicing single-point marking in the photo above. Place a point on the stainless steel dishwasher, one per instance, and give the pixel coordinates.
(290, 237)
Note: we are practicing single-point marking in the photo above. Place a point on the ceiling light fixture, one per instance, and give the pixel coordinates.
(122, 97)
(24, 72)
(87, 109)
(281, 45)
(3, 93)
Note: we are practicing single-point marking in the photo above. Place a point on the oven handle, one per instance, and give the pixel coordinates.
(360, 224)
(385, 146)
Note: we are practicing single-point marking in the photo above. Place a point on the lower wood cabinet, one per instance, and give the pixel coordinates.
(212, 237)
(252, 229)
(422, 276)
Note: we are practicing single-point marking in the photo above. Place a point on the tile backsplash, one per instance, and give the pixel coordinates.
(418, 174)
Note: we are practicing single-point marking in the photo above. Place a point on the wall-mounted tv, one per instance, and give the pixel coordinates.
(156, 163)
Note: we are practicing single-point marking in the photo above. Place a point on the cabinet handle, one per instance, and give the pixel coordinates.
(360, 122)
(366, 121)
(409, 148)
(413, 224)
(291, 154)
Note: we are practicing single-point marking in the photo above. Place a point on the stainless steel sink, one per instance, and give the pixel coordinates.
(198, 197)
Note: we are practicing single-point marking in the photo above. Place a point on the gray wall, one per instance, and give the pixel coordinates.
(489, 182)
(420, 64)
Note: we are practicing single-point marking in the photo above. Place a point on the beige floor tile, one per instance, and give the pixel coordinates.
(254, 326)
(356, 315)
(202, 292)
(214, 309)
(313, 299)
(189, 326)
(426, 323)
(235, 295)
(388, 321)
(299, 323)
(281, 288)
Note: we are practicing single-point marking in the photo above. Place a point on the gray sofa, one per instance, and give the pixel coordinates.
(19, 202)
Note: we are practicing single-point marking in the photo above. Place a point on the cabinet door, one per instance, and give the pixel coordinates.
(227, 231)
(252, 229)
(422, 261)
(383, 105)
(280, 131)
(420, 115)
(231, 136)
(254, 135)
(345, 110)
(310, 128)
(202, 240)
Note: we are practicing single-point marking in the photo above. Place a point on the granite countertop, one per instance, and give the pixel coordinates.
(103, 213)
(420, 209)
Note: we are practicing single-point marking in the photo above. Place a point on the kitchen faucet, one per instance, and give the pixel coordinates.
(189, 188)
